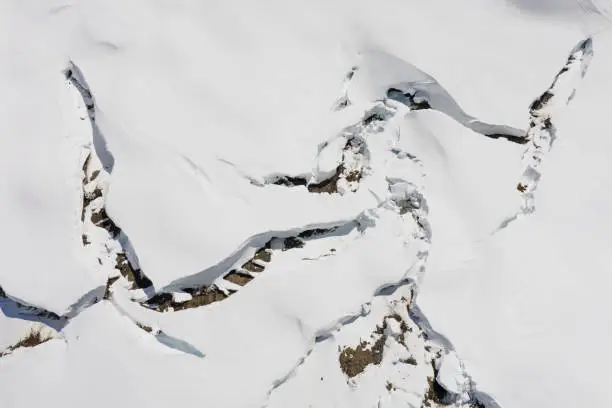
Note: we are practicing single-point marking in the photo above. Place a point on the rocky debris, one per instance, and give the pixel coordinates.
(542, 131)
(353, 361)
(109, 283)
(135, 276)
(355, 156)
(292, 243)
(288, 181)
(436, 394)
(329, 186)
(207, 294)
(202, 296)
(144, 327)
(238, 278)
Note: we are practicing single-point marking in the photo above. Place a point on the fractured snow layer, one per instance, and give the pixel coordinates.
(199, 102)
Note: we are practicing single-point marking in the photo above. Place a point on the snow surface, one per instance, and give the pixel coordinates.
(196, 105)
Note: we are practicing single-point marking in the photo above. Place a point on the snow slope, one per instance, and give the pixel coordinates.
(163, 155)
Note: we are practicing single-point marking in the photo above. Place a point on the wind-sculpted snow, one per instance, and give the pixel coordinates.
(290, 204)
(380, 75)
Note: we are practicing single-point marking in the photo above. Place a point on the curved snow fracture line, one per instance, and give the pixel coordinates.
(418, 90)
(542, 131)
(403, 197)
(19, 309)
(74, 74)
(421, 320)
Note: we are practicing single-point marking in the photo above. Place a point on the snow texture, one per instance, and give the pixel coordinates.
(305, 204)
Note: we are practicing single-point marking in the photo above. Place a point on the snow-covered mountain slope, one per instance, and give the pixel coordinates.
(305, 204)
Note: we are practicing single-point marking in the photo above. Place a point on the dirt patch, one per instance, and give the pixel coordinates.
(436, 394)
(101, 219)
(409, 360)
(252, 266)
(349, 169)
(89, 197)
(292, 243)
(125, 268)
(146, 328)
(315, 232)
(201, 297)
(34, 338)
(238, 278)
(289, 181)
(353, 361)
(264, 255)
(329, 186)
(109, 283)
(353, 176)
(403, 327)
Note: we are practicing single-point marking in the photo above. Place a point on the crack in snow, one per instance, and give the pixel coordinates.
(405, 197)
(351, 158)
(101, 236)
(343, 160)
(241, 272)
(418, 90)
(542, 131)
(19, 309)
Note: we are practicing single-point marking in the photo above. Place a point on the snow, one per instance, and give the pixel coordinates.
(197, 107)
(12, 331)
(181, 297)
(449, 375)
(40, 153)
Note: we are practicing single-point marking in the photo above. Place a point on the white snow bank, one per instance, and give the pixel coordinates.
(100, 345)
(525, 312)
(40, 154)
